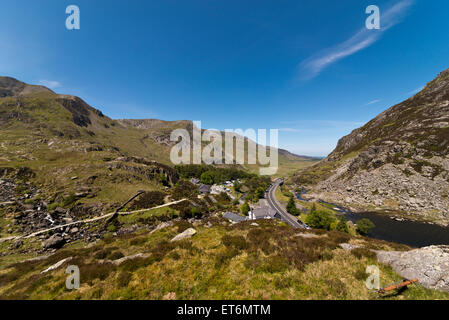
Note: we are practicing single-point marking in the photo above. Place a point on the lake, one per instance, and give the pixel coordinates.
(412, 233)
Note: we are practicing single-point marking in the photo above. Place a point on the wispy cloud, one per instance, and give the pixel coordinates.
(416, 90)
(50, 84)
(290, 130)
(372, 102)
(321, 123)
(314, 65)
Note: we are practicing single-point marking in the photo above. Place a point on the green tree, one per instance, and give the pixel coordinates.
(319, 220)
(196, 212)
(244, 208)
(364, 226)
(207, 177)
(291, 207)
(342, 226)
(163, 180)
(259, 194)
(224, 197)
(237, 186)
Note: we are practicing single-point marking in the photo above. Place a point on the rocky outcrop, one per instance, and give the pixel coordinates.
(57, 265)
(184, 235)
(170, 296)
(387, 187)
(124, 259)
(430, 265)
(54, 242)
(10, 87)
(398, 161)
(151, 170)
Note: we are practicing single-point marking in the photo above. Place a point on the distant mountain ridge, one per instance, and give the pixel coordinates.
(28, 108)
(399, 160)
(146, 124)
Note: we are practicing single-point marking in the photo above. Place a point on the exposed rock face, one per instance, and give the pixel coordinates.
(184, 235)
(78, 108)
(397, 161)
(150, 169)
(57, 265)
(10, 87)
(430, 265)
(54, 242)
(146, 124)
(121, 260)
(348, 246)
(170, 296)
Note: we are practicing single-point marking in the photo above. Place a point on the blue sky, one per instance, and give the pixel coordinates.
(309, 68)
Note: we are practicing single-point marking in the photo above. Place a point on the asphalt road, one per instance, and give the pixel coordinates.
(274, 203)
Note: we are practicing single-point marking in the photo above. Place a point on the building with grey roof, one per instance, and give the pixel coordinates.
(264, 213)
(195, 181)
(204, 188)
(234, 217)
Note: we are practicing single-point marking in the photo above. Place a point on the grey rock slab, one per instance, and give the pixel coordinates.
(430, 265)
(184, 235)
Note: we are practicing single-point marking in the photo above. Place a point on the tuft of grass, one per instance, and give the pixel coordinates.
(266, 262)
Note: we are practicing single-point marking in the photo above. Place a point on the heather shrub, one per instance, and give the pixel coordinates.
(363, 253)
(148, 200)
(123, 278)
(224, 257)
(237, 242)
(101, 271)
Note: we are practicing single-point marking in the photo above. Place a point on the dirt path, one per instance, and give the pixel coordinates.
(87, 221)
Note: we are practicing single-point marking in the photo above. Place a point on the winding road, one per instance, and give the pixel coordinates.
(274, 204)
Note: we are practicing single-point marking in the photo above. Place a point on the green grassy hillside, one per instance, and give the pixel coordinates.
(60, 137)
(271, 261)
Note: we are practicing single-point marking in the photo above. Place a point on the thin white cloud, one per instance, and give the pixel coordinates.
(321, 123)
(415, 91)
(372, 102)
(50, 84)
(290, 130)
(314, 65)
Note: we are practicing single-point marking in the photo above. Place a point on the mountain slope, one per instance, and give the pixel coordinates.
(60, 136)
(12, 87)
(70, 118)
(397, 161)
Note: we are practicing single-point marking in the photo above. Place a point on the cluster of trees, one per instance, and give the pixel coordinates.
(210, 174)
(364, 226)
(256, 186)
(237, 186)
(253, 184)
(184, 189)
(187, 210)
(148, 200)
(319, 219)
(244, 209)
(223, 198)
(291, 207)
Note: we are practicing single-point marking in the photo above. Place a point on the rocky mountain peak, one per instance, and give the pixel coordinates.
(397, 161)
(10, 87)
